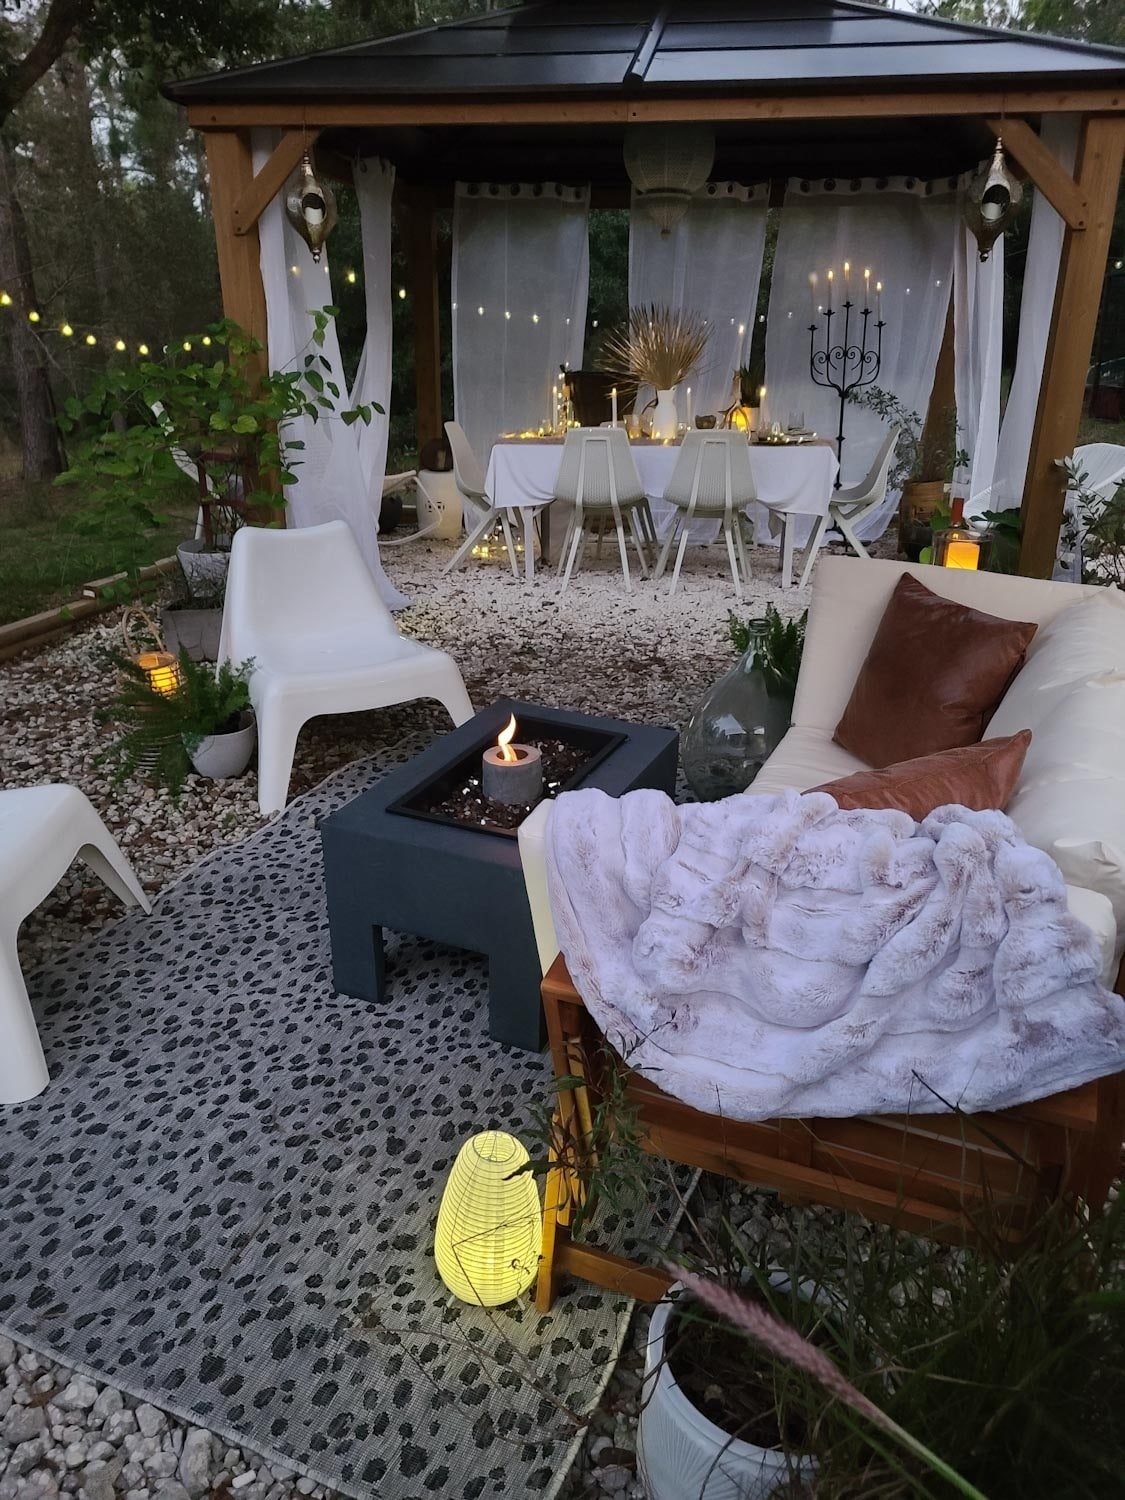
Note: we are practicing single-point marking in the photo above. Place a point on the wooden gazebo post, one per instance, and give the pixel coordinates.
(230, 166)
(1070, 343)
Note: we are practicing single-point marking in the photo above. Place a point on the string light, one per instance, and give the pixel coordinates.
(5, 300)
(207, 340)
(402, 295)
(349, 277)
(535, 317)
(33, 316)
(66, 330)
(142, 348)
(91, 339)
(187, 346)
(120, 346)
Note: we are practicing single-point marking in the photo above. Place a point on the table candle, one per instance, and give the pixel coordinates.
(761, 406)
(690, 408)
(831, 278)
(878, 302)
(812, 293)
(554, 408)
(847, 279)
(866, 286)
(613, 404)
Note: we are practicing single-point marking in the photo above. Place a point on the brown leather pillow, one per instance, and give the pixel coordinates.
(932, 679)
(974, 776)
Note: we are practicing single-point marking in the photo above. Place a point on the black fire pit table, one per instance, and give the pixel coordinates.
(391, 861)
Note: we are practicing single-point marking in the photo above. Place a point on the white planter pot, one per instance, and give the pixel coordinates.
(205, 572)
(681, 1454)
(220, 756)
(665, 419)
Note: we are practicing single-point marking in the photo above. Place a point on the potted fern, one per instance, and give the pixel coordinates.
(206, 723)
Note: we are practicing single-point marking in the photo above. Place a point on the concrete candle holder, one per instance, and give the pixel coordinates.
(516, 783)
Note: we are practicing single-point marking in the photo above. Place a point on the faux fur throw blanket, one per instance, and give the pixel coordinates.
(772, 955)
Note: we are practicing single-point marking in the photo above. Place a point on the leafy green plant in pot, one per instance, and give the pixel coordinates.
(207, 403)
(741, 719)
(205, 723)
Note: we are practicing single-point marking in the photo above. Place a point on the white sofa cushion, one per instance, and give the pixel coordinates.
(1096, 911)
(1081, 738)
(1081, 825)
(1085, 640)
(805, 757)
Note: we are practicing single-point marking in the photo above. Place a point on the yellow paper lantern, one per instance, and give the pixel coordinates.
(489, 1224)
(162, 671)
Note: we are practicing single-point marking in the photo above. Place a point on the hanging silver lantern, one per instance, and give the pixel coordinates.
(668, 164)
(310, 206)
(991, 201)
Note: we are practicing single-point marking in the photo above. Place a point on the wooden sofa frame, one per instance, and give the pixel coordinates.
(929, 1173)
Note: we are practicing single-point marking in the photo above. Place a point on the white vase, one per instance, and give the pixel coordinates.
(220, 756)
(680, 1452)
(665, 419)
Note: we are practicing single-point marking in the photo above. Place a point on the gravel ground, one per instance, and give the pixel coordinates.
(594, 648)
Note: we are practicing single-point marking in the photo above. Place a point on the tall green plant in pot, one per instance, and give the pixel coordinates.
(204, 405)
(741, 719)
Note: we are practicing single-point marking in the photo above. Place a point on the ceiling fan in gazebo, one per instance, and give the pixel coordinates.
(667, 164)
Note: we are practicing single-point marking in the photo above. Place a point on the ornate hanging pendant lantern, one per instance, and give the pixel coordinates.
(310, 207)
(667, 164)
(991, 201)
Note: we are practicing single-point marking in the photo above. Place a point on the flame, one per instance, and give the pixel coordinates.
(504, 740)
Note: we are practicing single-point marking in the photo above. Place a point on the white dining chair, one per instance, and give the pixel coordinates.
(481, 516)
(850, 504)
(43, 829)
(711, 481)
(304, 607)
(598, 480)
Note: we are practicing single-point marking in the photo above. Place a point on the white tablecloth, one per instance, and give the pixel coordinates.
(792, 479)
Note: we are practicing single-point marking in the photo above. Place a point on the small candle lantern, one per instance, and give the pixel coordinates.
(162, 671)
(510, 773)
(959, 546)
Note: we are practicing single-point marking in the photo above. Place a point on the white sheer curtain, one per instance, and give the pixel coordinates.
(374, 187)
(978, 340)
(521, 273)
(900, 228)
(710, 263)
(333, 481)
(1060, 133)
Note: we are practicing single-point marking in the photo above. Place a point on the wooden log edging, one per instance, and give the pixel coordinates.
(99, 595)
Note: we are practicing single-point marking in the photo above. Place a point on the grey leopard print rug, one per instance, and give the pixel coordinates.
(224, 1201)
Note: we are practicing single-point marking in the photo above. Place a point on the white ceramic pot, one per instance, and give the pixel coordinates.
(681, 1454)
(220, 756)
(665, 419)
(205, 572)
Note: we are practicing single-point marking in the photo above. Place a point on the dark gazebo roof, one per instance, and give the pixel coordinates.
(600, 46)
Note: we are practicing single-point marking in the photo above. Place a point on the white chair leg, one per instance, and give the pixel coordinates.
(666, 550)
(528, 524)
(484, 524)
(850, 537)
(507, 528)
(278, 729)
(114, 871)
(565, 544)
(679, 557)
(23, 1070)
(812, 549)
(740, 543)
(577, 535)
(621, 547)
(649, 525)
(452, 695)
(638, 541)
(732, 554)
(786, 550)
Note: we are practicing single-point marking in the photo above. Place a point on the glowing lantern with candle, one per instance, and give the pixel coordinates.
(489, 1224)
(162, 671)
(959, 546)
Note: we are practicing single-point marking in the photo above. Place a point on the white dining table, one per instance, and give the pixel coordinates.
(791, 480)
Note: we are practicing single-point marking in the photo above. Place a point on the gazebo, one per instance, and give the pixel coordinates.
(830, 90)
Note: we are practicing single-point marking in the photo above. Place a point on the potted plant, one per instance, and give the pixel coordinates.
(1094, 528)
(204, 410)
(658, 347)
(926, 457)
(204, 722)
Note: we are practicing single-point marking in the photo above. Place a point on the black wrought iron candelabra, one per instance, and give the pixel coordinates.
(850, 364)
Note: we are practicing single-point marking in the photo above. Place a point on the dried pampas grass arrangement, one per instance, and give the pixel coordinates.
(658, 346)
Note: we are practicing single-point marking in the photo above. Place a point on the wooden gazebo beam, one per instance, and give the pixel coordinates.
(1101, 150)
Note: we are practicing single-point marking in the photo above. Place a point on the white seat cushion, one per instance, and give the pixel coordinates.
(805, 758)
(1094, 909)
(1085, 640)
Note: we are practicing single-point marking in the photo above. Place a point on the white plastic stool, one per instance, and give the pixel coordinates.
(42, 830)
